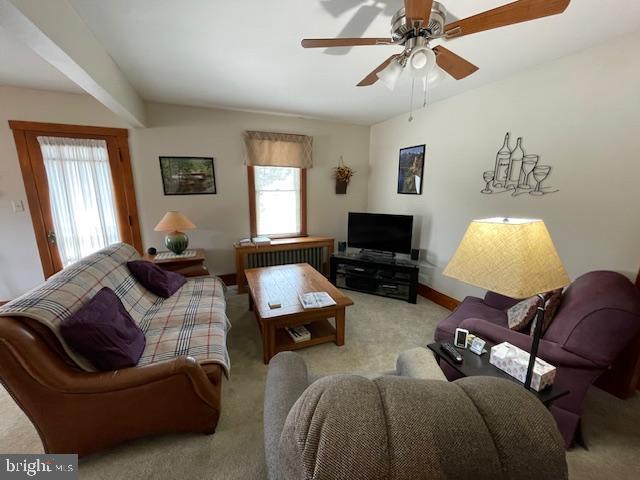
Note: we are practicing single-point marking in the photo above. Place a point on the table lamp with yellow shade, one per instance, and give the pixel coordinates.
(173, 223)
(514, 257)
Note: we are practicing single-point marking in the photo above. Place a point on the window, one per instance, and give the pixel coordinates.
(81, 195)
(277, 201)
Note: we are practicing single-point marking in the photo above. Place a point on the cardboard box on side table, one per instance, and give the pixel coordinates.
(515, 361)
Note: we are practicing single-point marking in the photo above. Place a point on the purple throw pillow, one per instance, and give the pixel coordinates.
(104, 333)
(155, 279)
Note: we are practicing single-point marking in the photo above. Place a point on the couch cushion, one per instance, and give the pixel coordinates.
(346, 426)
(67, 291)
(314, 442)
(287, 379)
(104, 333)
(190, 319)
(192, 322)
(471, 307)
(155, 279)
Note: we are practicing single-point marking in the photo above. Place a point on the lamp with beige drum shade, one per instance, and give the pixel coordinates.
(174, 223)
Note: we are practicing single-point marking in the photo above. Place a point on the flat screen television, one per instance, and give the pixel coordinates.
(381, 232)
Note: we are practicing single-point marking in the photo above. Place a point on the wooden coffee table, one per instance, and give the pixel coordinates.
(283, 284)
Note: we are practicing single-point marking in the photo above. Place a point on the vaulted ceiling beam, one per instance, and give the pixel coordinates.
(54, 30)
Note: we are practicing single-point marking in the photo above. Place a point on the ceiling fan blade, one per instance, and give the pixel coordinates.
(357, 26)
(453, 64)
(417, 10)
(516, 12)
(343, 42)
(373, 77)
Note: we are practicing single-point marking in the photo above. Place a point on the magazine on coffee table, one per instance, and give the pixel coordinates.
(316, 300)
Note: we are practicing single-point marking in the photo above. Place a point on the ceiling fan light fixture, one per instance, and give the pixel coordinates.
(419, 22)
(390, 75)
(421, 62)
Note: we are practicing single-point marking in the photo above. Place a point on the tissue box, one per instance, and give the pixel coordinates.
(515, 361)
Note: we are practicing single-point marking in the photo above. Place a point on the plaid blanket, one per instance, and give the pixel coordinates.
(191, 322)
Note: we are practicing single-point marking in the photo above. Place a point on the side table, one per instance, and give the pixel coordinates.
(478, 365)
(192, 266)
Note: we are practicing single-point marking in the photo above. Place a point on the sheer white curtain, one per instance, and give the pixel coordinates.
(81, 194)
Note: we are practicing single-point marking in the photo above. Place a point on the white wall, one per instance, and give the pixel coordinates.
(221, 218)
(224, 218)
(580, 113)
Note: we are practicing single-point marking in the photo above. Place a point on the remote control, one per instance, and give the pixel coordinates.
(451, 352)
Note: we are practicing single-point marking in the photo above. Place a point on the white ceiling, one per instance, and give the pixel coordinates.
(247, 55)
(20, 66)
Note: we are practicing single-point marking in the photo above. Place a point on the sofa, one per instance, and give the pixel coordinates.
(597, 320)
(175, 387)
(410, 423)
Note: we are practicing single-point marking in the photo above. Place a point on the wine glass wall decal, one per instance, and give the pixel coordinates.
(528, 164)
(517, 172)
(488, 177)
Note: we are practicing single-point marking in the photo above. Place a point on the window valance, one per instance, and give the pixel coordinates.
(268, 149)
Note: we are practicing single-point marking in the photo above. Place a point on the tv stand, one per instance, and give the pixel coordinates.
(373, 255)
(383, 275)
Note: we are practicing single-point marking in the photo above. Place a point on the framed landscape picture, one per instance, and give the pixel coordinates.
(188, 175)
(411, 170)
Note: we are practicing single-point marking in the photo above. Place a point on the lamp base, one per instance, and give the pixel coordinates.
(537, 332)
(177, 242)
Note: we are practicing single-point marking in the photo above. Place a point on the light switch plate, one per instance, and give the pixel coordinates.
(18, 206)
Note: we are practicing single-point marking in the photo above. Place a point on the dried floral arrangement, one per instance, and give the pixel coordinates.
(343, 173)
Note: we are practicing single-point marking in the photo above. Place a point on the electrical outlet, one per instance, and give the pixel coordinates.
(18, 206)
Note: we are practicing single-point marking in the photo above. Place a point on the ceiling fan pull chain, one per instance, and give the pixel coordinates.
(413, 83)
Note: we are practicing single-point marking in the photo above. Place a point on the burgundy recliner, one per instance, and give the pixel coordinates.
(598, 317)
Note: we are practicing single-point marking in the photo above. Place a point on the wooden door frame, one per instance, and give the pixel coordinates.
(123, 176)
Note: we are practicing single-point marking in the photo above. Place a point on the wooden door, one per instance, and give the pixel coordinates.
(37, 185)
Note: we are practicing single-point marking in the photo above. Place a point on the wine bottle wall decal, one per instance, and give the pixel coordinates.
(515, 165)
(502, 164)
(517, 172)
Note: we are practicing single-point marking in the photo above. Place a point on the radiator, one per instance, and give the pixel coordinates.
(313, 256)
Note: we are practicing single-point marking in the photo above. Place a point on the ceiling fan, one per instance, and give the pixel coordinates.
(421, 21)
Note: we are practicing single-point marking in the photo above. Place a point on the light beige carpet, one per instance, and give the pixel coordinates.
(377, 330)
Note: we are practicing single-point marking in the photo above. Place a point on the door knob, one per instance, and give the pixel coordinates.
(51, 238)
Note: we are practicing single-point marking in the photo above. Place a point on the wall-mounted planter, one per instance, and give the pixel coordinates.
(341, 187)
(342, 173)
